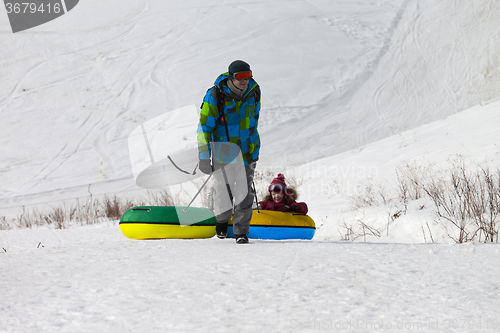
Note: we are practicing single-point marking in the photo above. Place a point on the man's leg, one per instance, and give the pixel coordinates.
(223, 204)
(244, 196)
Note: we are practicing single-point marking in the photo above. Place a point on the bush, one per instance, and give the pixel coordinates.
(369, 196)
(90, 212)
(470, 201)
(466, 198)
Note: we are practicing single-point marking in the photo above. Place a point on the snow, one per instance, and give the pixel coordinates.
(93, 279)
(351, 90)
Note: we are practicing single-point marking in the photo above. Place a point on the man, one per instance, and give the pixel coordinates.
(227, 133)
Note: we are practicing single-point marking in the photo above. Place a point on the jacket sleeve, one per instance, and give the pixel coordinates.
(208, 120)
(301, 206)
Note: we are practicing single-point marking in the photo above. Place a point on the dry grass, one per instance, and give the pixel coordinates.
(469, 201)
(83, 213)
(466, 198)
(368, 196)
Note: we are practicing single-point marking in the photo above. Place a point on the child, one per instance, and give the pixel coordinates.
(281, 198)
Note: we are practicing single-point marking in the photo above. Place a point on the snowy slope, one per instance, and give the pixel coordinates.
(437, 59)
(339, 74)
(76, 87)
(351, 89)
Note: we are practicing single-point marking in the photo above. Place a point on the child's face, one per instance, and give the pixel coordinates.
(277, 196)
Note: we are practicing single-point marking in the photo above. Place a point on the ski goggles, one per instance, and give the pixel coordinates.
(243, 75)
(277, 188)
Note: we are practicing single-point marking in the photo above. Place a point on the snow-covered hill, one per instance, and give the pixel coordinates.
(335, 75)
(351, 90)
(339, 77)
(434, 60)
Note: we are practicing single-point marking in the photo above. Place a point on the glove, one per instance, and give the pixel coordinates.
(290, 208)
(205, 166)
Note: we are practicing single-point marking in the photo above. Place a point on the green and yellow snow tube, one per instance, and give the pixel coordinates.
(159, 222)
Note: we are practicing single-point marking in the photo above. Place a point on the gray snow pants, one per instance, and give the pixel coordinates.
(233, 180)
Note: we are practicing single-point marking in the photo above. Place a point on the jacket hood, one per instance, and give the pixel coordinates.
(221, 78)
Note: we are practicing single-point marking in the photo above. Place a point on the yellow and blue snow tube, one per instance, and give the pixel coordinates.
(158, 222)
(267, 224)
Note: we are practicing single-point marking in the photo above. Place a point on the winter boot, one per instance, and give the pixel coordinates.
(241, 239)
(221, 230)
